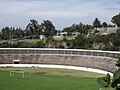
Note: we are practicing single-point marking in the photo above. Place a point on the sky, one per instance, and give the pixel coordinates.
(63, 13)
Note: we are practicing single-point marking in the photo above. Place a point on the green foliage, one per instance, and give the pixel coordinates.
(11, 33)
(84, 40)
(114, 82)
(81, 28)
(5, 45)
(96, 23)
(50, 39)
(33, 28)
(39, 44)
(96, 31)
(111, 41)
(45, 28)
(48, 28)
(23, 44)
(118, 62)
(116, 41)
(116, 79)
(101, 39)
(104, 81)
(104, 24)
(79, 41)
(110, 48)
(116, 20)
(69, 30)
(65, 39)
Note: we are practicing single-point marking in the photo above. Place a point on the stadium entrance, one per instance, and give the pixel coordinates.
(16, 61)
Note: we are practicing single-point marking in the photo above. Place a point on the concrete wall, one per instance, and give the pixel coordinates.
(103, 63)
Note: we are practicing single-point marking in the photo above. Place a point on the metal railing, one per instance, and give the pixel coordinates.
(112, 54)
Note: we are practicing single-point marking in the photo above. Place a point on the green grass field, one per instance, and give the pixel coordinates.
(48, 79)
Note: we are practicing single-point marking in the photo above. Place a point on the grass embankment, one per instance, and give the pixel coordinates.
(37, 40)
(32, 40)
(48, 79)
(67, 37)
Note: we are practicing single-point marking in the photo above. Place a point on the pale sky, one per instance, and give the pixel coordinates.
(62, 13)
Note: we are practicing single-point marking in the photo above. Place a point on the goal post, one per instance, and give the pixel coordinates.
(19, 72)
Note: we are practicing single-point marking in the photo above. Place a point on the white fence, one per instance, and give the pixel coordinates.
(112, 54)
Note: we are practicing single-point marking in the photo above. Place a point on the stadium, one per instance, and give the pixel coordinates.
(54, 69)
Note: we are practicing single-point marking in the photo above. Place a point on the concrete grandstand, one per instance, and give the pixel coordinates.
(103, 60)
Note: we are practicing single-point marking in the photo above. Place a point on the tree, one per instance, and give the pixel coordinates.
(109, 81)
(116, 20)
(33, 28)
(48, 28)
(80, 28)
(104, 24)
(80, 41)
(69, 30)
(96, 23)
(5, 32)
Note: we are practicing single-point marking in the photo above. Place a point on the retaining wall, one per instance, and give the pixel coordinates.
(103, 63)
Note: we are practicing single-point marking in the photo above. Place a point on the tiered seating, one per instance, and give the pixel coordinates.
(103, 63)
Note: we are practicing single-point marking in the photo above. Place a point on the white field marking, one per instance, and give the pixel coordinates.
(58, 66)
(21, 72)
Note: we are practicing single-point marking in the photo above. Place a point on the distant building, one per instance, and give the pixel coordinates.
(27, 37)
(75, 33)
(62, 34)
(105, 31)
(42, 37)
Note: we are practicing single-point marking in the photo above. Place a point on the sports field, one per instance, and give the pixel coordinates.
(48, 79)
